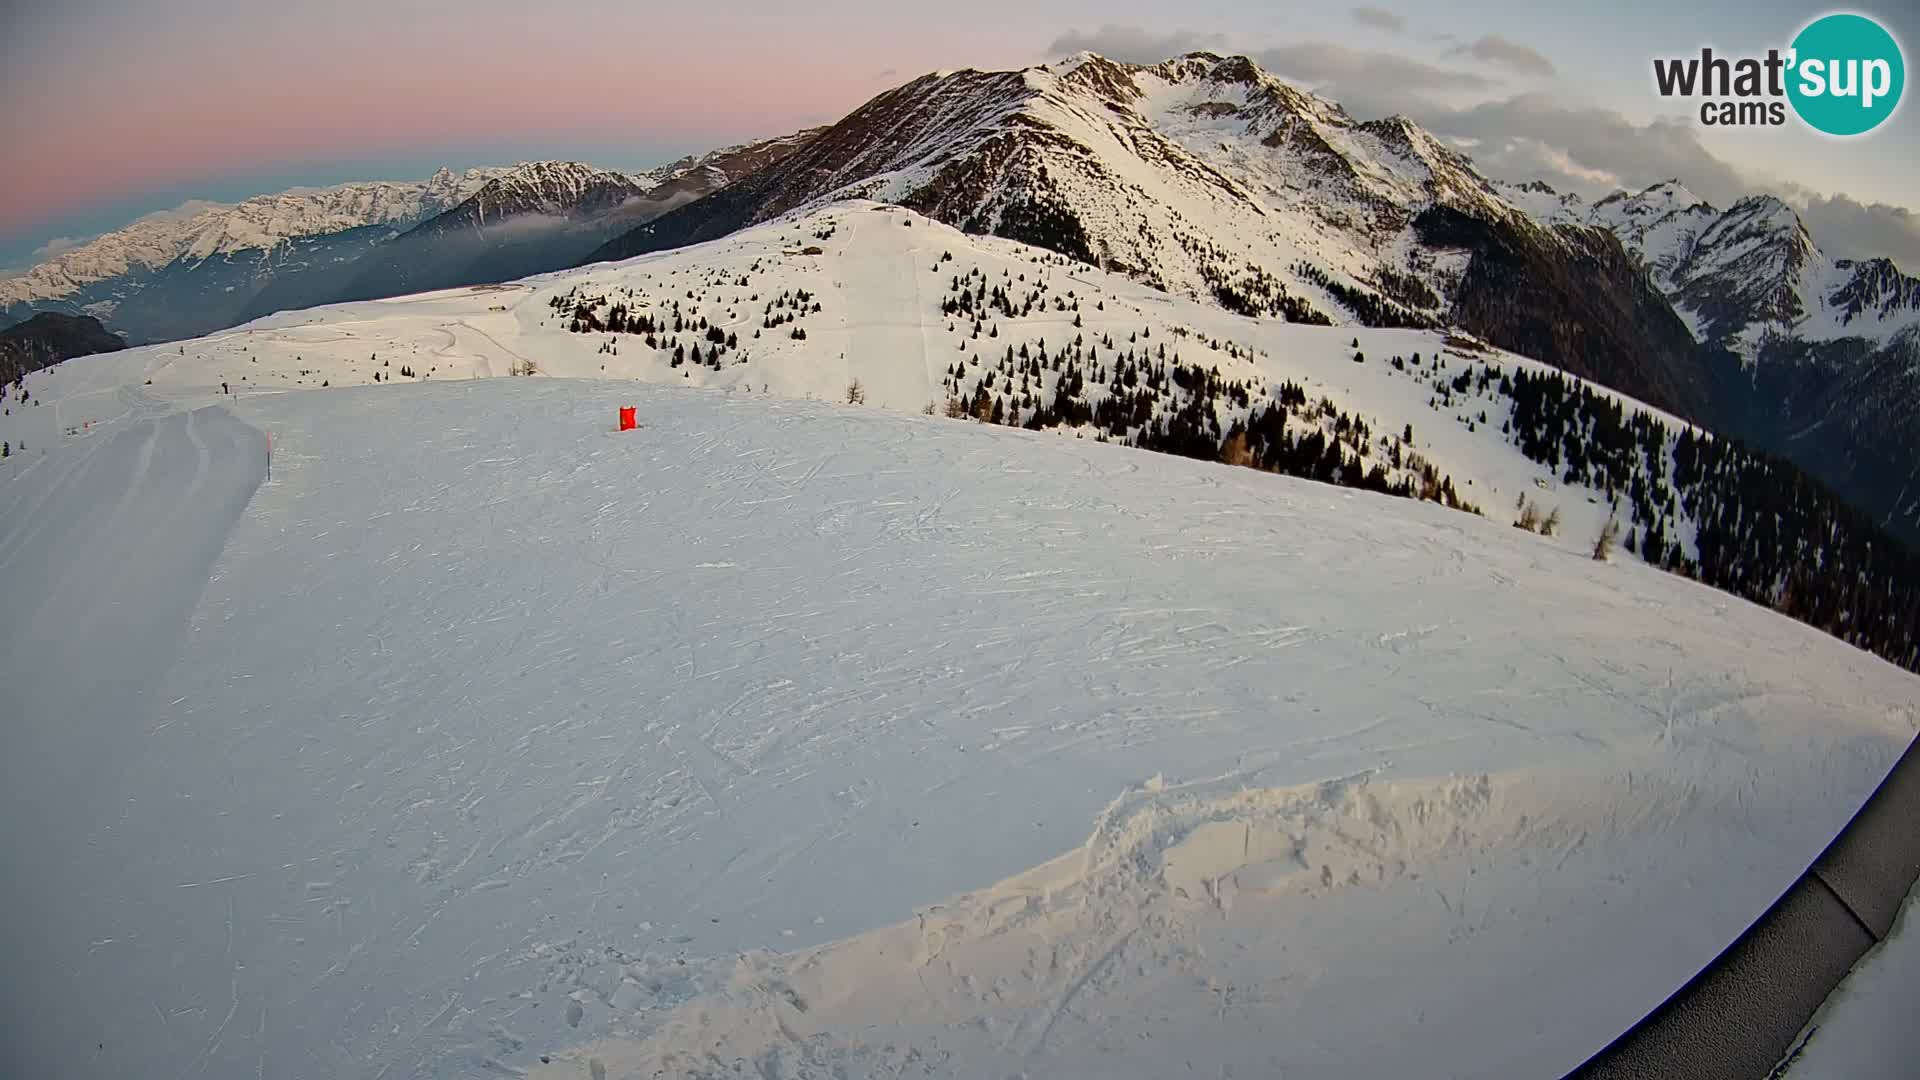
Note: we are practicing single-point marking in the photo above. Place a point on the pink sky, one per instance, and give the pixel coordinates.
(201, 88)
(112, 107)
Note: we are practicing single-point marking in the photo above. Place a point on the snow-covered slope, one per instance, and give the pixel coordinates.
(885, 281)
(923, 317)
(808, 739)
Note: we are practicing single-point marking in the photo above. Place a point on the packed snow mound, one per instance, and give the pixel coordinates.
(488, 733)
(1185, 932)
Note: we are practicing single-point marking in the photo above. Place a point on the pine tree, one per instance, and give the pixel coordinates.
(1603, 545)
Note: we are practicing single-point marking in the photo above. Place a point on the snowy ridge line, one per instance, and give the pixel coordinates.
(1742, 1016)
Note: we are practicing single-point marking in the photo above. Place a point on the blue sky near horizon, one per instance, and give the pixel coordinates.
(122, 107)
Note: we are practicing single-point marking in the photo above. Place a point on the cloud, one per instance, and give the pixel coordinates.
(1594, 151)
(58, 245)
(1582, 148)
(1359, 78)
(1380, 19)
(1845, 227)
(190, 208)
(1495, 49)
(886, 73)
(1132, 44)
(1586, 149)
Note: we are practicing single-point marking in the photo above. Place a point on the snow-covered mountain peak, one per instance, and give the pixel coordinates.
(1875, 289)
(1655, 199)
(717, 168)
(1750, 272)
(554, 179)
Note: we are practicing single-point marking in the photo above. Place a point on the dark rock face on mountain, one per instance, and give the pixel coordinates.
(1205, 176)
(1847, 410)
(1574, 298)
(888, 133)
(48, 338)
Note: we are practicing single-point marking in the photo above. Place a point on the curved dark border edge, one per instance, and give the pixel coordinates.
(1740, 1017)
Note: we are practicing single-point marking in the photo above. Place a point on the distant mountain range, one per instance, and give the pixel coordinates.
(1202, 176)
(1811, 357)
(183, 273)
(205, 267)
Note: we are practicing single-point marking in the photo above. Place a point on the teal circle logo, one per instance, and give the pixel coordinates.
(1847, 74)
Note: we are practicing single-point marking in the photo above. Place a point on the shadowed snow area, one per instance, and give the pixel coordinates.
(493, 733)
(1865, 1030)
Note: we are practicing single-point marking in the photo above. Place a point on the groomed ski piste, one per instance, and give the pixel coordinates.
(799, 738)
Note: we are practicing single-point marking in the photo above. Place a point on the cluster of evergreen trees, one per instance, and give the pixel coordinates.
(1406, 289)
(1152, 400)
(1763, 530)
(1372, 309)
(1140, 393)
(1256, 293)
(705, 342)
(1040, 218)
(1707, 508)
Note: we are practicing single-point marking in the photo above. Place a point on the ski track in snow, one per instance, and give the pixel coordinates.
(493, 733)
(105, 548)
